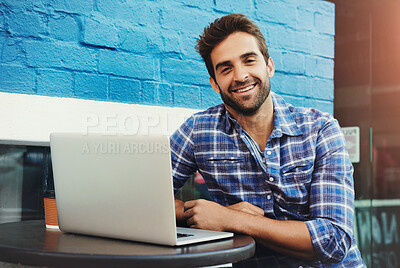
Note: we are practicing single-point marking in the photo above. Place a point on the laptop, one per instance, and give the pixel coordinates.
(119, 187)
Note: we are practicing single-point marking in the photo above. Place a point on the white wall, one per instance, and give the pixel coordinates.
(29, 119)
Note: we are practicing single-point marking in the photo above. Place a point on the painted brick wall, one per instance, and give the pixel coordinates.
(143, 51)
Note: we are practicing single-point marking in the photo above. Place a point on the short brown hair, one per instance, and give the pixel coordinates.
(220, 29)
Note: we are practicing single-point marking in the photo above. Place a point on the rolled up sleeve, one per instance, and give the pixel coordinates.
(182, 154)
(331, 196)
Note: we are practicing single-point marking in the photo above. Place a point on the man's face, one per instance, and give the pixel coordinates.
(241, 73)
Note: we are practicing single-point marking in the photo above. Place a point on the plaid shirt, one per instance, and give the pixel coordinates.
(303, 174)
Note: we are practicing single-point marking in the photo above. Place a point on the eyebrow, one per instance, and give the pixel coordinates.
(227, 63)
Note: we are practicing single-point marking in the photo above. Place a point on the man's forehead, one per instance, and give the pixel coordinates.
(235, 46)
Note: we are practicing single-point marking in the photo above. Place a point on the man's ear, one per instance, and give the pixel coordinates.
(214, 85)
(271, 67)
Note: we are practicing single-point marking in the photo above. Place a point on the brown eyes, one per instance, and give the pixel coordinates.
(227, 69)
(250, 61)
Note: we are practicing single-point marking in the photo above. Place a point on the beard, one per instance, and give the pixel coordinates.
(238, 105)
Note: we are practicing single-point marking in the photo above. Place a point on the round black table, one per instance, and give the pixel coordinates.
(30, 243)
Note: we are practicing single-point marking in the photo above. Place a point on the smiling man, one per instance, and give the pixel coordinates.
(278, 173)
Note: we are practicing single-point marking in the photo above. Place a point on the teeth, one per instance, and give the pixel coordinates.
(245, 89)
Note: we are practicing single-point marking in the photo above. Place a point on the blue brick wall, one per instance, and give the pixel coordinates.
(143, 51)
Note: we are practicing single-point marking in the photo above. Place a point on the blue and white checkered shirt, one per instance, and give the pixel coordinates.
(303, 174)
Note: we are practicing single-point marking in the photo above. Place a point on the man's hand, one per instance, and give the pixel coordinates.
(179, 210)
(203, 214)
(247, 208)
(209, 215)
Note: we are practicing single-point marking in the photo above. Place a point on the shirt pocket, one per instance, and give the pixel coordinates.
(222, 173)
(224, 165)
(295, 185)
(226, 159)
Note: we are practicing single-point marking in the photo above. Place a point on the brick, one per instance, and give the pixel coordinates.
(25, 24)
(323, 45)
(25, 5)
(172, 43)
(209, 97)
(293, 62)
(2, 18)
(305, 19)
(245, 6)
(287, 39)
(73, 6)
(187, 96)
(324, 106)
(157, 94)
(296, 85)
(323, 7)
(63, 27)
(185, 71)
(320, 67)
(323, 89)
(15, 5)
(126, 64)
(263, 28)
(189, 21)
(60, 55)
(277, 82)
(302, 42)
(200, 4)
(11, 51)
(17, 79)
(325, 23)
(55, 83)
(165, 94)
(141, 40)
(276, 11)
(90, 86)
(276, 56)
(149, 92)
(187, 47)
(132, 12)
(100, 32)
(293, 100)
(124, 90)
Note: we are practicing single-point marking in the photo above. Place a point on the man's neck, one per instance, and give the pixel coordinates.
(259, 125)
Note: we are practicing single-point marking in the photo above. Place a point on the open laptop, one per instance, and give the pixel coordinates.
(119, 187)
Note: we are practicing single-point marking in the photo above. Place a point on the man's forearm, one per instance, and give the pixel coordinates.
(287, 237)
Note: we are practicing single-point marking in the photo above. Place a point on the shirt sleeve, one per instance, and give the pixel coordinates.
(182, 154)
(331, 195)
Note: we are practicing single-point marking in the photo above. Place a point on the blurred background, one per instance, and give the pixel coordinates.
(367, 96)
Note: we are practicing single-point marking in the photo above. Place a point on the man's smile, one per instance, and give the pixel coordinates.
(243, 89)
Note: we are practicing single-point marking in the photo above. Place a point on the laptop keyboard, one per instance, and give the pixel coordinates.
(179, 235)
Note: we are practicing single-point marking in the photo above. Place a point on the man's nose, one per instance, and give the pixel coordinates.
(240, 74)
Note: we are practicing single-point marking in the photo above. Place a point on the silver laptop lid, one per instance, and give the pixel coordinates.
(114, 186)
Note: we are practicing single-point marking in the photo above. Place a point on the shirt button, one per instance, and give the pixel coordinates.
(269, 152)
(271, 179)
(268, 197)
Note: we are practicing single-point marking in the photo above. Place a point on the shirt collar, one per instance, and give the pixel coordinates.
(230, 121)
(284, 122)
(283, 118)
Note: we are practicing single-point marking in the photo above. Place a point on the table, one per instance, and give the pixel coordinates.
(30, 243)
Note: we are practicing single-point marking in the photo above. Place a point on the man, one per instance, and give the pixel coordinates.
(275, 172)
